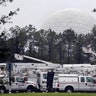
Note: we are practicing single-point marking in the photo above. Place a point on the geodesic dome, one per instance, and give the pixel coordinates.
(77, 20)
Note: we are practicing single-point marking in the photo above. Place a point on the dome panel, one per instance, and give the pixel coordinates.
(77, 20)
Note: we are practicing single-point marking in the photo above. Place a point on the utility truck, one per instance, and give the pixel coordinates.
(17, 84)
(72, 82)
(66, 82)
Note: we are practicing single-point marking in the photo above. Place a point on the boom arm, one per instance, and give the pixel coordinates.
(21, 57)
(39, 60)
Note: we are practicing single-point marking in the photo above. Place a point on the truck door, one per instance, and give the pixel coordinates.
(82, 84)
(20, 83)
(42, 80)
(14, 85)
(91, 86)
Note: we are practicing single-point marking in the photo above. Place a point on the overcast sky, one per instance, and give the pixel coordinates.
(36, 11)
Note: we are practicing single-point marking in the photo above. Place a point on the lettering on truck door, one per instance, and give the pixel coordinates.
(91, 86)
(82, 84)
(14, 85)
(20, 83)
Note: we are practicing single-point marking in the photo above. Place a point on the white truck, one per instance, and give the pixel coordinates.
(72, 82)
(18, 84)
(61, 82)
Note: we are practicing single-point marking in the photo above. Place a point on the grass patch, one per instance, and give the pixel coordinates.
(50, 94)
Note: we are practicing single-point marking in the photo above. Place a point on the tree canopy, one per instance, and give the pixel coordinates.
(61, 48)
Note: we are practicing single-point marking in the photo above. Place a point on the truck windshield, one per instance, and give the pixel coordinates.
(19, 79)
(89, 79)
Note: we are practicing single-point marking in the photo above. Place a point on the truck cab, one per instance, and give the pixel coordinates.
(87, 83)
(42, 82)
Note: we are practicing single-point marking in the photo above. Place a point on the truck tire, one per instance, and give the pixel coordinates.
(69, 89)
(30, 89)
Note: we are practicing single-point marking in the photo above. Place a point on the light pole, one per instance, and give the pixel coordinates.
(9, 68)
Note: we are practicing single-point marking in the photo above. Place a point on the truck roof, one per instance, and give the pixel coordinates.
(72, 75)
(68, 75)
(76, 65)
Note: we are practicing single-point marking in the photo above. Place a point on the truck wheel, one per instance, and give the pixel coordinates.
(30, 89)
(69, 89)
(2, 91)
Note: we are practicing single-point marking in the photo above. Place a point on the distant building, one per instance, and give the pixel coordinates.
(77, 20)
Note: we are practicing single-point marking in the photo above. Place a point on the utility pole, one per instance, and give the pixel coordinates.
(60, 52)
(9, 69)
